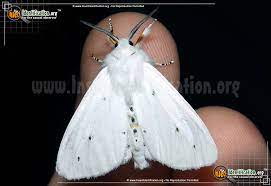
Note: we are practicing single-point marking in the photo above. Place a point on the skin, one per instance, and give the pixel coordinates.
(232, 132)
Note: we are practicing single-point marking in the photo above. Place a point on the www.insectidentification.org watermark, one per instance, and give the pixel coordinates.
(193, 86)
(189, 86)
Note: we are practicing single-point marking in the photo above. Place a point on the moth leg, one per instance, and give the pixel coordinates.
(146, 31)
(110, 25)
(96, 59)
(111, 30)
(164, 64)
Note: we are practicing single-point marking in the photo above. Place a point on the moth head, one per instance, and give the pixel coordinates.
(124, 48)
(114, 39)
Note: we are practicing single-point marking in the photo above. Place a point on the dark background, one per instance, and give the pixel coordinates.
(221, 42)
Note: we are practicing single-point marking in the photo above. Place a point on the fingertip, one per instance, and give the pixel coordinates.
(237, 138)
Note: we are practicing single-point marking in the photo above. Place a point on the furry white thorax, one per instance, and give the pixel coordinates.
(125, 67)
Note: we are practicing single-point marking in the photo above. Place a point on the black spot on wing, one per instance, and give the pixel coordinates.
(153, 92)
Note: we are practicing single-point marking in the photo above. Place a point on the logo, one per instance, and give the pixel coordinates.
(14, 13)
(220, 172)
(234, 175)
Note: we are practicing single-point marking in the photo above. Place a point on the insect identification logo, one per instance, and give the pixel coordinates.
(15, 13)
(220, 172)
(25, 17)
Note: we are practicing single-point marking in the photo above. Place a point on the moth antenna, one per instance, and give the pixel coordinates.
(146, 31)
(115, 38)
(134, 30)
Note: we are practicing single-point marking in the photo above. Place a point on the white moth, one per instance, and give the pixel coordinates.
(132, 112)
